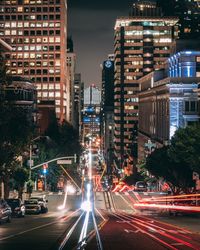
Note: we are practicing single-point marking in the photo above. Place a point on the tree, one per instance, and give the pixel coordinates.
(16, 128)
(185, 147)
(177, 175)
(20, 176)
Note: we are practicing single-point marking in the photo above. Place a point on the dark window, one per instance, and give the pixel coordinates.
(57, 79)
(57, 17)
(32, 72)
(32, 33)
(39, 17)
(57, 32)
(44, 79)
(38, 71)
(20, 17)
(39, 9)
(187, 106)
(45, 9)
(193, 104)
(45, 32)
(57, 47)
(51, 32)
(26, 33)
(51, 79)
(7, 17)
(51, 17)
(38, 32)
(45, 71)
(51, 9)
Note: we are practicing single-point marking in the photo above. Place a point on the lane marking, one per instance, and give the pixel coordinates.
(39, 227)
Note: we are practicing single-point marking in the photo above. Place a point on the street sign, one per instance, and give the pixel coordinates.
(64, 162)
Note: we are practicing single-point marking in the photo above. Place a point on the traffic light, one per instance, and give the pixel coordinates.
(45, 167)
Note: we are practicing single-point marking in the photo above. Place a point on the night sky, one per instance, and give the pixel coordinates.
(91, 25)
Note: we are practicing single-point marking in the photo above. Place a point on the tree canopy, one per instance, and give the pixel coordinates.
(177, 162)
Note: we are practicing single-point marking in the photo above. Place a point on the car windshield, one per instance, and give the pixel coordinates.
(31, 202)
(37, 198)
(13, 202)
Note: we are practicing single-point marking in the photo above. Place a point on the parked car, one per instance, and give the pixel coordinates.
(17, 206)
(32, 206)
(140, 186)
(5, 211)
(43, 203)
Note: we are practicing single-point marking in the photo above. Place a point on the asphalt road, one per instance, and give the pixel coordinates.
(127, 228)
(40, 231)
(121, 227)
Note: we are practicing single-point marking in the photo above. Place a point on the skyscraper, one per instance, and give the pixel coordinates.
(143, 42)
(71, 65)
(188, 12)
(36, 29)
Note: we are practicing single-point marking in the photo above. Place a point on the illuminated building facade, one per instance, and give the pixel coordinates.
(91, 112)
(168, 99)
(71, 66)
(188, 12)
(143, 42)
(36, 29)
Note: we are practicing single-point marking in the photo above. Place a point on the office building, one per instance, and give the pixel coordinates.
(107, 111)
(143, 42)
(169, 100)
(71, 66)
(37, 30)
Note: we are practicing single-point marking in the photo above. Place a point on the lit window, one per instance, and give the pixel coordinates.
(51, 86)
(57, 110)
(20, 9)
(26, 24)
(20, 32)
(57, 40)
(13, 24)
(26, 55)
(57, 102)
(57, 63)
(57, 94)
(44, 39)
(32, 55)
(7, 32)
(57, 86)
(7, 25)
(19, 25)
(51, 40)
(51, 94)
(45, 86)
(45, 94)
(45, 24)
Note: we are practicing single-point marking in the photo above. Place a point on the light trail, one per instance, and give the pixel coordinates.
(163, 232)
(145, 232)
(68, 235)
(170, 207)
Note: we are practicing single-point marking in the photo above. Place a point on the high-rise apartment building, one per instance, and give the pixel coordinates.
(71, 66)
(143, 42)
(37, 31)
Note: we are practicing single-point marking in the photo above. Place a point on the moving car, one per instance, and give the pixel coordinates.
(32, 206)
(42, 202)
(140, 186)
(5, 211)
(17, 206)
